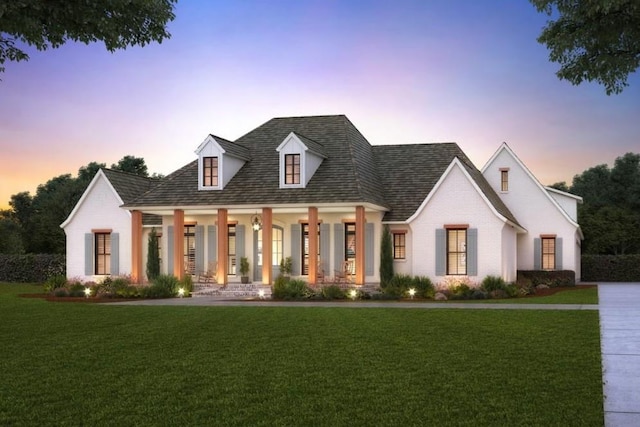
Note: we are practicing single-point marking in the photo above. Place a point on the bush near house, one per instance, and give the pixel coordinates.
(611, 268)
(553, 279)
(163, 286)
(31, 268)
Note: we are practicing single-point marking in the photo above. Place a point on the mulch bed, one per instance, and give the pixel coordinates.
(551, 291)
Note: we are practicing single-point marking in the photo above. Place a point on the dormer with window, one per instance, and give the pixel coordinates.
(218, 161)
(300, 157)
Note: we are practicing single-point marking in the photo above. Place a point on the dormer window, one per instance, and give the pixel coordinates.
(210, 171)
(292, 169)
(300, 157)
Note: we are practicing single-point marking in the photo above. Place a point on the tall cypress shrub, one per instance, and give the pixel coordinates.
(153, 256)
(386, 257)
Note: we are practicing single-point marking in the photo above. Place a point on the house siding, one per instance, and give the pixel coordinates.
(535, 212)
(100, 210)
(457, 201)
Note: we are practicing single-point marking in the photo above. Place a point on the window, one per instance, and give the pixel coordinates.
(548, 253)
(504, 180)
(456, 251)
(277, 246)
(292, 169)
(305, 248)
(209, 171)
(189, 254)
(232, 249)
(399, 246)
(102, 253)
(349, 241)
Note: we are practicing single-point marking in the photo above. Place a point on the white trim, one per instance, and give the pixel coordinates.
(98, 175)
(564, 193)
(208, 139)
(457, 163)
(504, 146)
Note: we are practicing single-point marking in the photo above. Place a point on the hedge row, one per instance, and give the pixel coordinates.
(30, 268)
(611, 268)
(550, 278)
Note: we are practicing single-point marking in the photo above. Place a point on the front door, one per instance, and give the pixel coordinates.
(277, 234)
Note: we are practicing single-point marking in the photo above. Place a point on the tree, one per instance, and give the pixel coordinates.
(153, 256)
(562, 186)
(10, 234)
(131, 164)
(386, 257)
(593, 40)
(48, 24)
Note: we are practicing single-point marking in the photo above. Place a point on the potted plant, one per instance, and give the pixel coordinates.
(244, 269)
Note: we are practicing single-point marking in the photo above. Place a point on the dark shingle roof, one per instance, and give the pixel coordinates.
(312, 145)
(396, 177)
(233, 149)
(347, 174)
(410, 172)
(130, 186)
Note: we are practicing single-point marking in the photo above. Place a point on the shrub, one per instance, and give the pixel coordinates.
(332, 292)
(290, 289)
(164, 286)
(478, 294)
(493, 283)
(187, 284)
(399, 285)
(60, 292)
(76, 289)
(512, 290)
(31, 268)
(611, 268)
(552, 279)
(424, 287)
(461, 291)
(55, 282)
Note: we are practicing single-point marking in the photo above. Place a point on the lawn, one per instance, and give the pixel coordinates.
(88, 364)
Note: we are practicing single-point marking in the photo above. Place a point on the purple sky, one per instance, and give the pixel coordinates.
(403, 72)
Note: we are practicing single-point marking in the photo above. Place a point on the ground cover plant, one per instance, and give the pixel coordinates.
(89, 364)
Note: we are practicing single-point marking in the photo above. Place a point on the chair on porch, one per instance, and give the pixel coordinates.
(208, 276)
(320, 272)
(343, 275)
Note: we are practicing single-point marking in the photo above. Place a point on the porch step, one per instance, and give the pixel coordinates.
(232, 290)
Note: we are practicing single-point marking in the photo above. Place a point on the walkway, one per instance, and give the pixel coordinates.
(620, 341)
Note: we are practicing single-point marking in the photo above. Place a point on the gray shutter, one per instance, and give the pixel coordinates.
(212, 243)
(441, 249)
(239, 242)
(537, 254)
(200, 248)
(559, 253)
(296, 237)
(472, 252)
(325, 250)
(88, 254)
(170, 249)
(338, 245)
(368, 249)
(115, 254)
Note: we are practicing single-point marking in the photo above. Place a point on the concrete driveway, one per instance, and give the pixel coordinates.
(620, 340)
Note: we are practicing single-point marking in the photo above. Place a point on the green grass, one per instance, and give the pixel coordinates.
(88, 364)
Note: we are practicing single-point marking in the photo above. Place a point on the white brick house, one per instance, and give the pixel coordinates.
(321, 194)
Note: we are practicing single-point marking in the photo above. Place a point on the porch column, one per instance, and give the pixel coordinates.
(267, 246)
(178, 243)
(313, 245)
(136, 247)
(223, 246)
(360, 220)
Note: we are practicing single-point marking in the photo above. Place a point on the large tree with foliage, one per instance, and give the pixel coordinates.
(48, 24)
(593, 40)
(610, 213)
(131, 164)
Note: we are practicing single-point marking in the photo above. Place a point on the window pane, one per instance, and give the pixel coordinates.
(457, 251)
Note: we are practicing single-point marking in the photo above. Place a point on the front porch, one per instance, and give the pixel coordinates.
(318, 241)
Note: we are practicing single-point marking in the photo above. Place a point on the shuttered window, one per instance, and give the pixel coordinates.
(548, 253)
(456, 252)
(102, 253)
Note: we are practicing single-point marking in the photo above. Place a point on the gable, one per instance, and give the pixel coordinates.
(458, 193)
(307, 157)
(99, 197)
(218, 162)
(526, 197)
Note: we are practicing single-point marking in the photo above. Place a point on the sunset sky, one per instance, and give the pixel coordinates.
(403, 72)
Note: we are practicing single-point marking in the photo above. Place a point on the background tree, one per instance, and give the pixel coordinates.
(49, 24)
(153, 256)
(593, 40)
(610, 212)
(10, 234)
(386, 257)
(131, 164)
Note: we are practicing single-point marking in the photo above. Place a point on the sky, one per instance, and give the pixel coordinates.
(403, 72)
